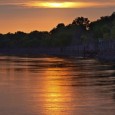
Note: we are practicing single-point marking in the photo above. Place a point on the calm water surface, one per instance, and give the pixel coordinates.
(56, 86)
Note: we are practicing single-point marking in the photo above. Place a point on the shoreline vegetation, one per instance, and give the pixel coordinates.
(81, 38)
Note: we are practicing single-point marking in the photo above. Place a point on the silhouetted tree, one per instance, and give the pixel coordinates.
(79, 31)
(81, 21)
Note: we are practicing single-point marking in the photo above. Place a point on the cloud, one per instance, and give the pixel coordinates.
(59, 3)
(68, 4)
(17, 15)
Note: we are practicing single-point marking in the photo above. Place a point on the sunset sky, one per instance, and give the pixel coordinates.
(42, 15)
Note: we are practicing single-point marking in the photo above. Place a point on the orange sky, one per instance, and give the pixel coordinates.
(29, 15)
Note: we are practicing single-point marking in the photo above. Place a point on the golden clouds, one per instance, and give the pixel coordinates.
(52, 4)
(45, 4)
(59, 3)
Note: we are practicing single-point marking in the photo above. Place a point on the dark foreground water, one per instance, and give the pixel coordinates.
(56, 86)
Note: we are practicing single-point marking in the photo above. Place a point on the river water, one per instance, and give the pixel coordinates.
(56, 86)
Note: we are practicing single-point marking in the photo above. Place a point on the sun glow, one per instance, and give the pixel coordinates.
(58, 5)
(40, 4)
(49, 4)
(53, 4)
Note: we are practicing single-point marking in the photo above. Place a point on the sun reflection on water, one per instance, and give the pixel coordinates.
(56, 86)
(56, 96)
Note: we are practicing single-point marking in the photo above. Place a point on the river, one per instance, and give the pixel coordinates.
(56, 86)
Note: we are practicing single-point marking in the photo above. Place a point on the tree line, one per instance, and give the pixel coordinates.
(81, 30)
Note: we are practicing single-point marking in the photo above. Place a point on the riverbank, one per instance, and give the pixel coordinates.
(42, 51)
(60, 52)
(104, 54)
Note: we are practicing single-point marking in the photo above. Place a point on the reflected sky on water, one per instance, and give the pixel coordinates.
(56, 86)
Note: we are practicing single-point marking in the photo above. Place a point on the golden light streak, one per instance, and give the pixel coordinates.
(51, 4)
(46, 4)
(56, 95)
(40, 4)
(59, 4)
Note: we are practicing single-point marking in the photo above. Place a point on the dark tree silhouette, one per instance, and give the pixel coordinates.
(81, 21)
(63, 35)
(60, 25)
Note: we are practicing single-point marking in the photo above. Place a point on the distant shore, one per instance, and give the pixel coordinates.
(103, 50)
(104, 56)
(40, 51)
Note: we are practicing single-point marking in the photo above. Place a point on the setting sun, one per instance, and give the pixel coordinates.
(53, 4)
(58, 5)
(44, 15)
(40, 4)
